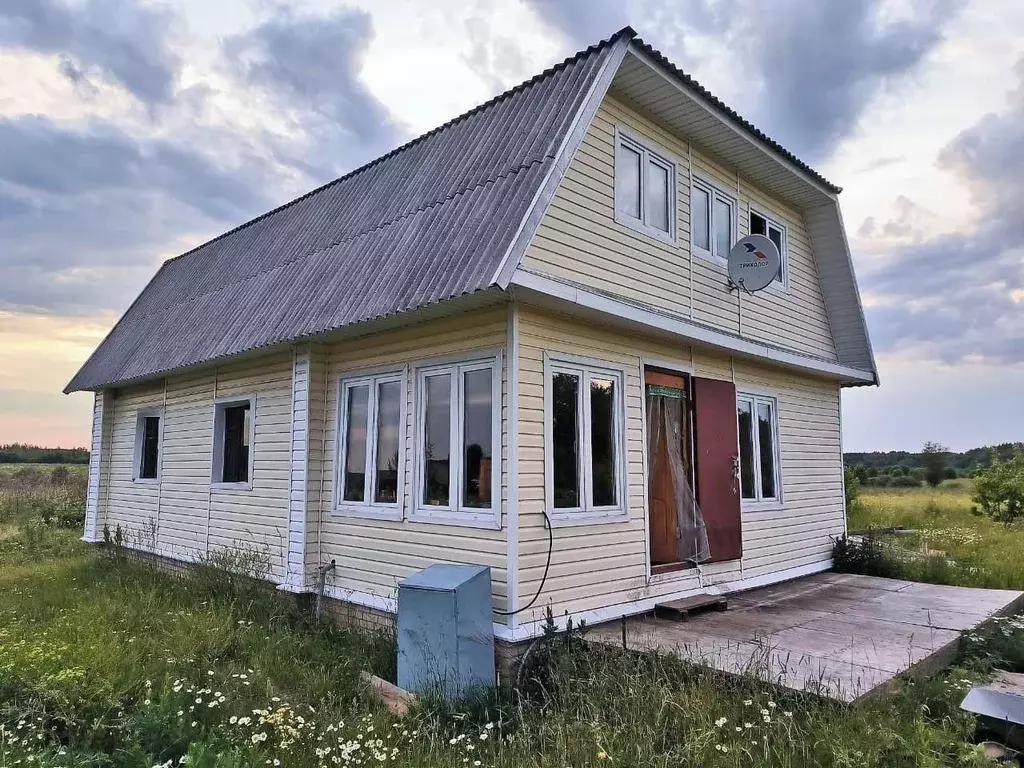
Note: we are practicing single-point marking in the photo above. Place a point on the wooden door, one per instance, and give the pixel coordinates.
(716, 439)
(661, 502)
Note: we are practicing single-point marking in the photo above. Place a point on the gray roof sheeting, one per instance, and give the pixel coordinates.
(430, 221)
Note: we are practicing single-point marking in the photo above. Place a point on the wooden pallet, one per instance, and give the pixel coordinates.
(680, 610)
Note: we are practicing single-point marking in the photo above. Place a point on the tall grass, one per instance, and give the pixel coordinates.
(104, 662)
(951, 543)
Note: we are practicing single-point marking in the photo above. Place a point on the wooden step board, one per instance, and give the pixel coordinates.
(681, 609)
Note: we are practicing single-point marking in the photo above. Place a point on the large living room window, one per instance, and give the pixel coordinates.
(759, 448)
(458, 442)
(371, 445)
(584, 425)
(645, 182)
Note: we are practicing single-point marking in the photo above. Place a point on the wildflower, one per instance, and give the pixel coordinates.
(602, 755)
(721, 721)
(748, 702)
(788, 714)
(771, 705)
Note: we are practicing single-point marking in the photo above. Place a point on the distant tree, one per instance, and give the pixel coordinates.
(999, 489)
(936, 458)
(898, 471)
(860, 472)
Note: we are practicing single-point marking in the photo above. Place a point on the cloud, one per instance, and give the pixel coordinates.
(803, 71)
(584, 22)
(123, 42)
(308, 69)
(961, 296)
(85, 212)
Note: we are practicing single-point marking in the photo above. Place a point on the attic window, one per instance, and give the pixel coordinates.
(762, 225)
(712, 221)
(645, 184)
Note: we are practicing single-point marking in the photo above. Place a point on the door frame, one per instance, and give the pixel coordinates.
(686, 370)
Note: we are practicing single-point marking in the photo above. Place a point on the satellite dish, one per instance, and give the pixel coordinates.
(754, 262)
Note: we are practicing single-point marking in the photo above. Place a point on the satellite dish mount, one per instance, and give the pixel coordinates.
(754, 262)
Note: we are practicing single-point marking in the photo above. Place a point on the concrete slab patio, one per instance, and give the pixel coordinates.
(838, 635)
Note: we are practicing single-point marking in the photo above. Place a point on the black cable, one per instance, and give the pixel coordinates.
(544, 578)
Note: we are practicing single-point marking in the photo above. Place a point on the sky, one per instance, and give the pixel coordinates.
(131, 131)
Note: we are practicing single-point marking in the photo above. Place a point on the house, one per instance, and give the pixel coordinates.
(510, 342)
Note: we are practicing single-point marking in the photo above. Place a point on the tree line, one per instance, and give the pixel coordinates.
(20, 453)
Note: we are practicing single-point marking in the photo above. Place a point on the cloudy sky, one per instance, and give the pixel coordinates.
(131, 131)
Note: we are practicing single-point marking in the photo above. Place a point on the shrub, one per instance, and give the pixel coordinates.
(904, 481)
(851, 485)
(999, 489)
(863, 554)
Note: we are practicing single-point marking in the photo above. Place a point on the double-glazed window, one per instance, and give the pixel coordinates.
(232, 442)
(762, 225)
(458, 458)
(147, 446)
(712, 220)
(759, 451)
(372, 428)
(645, 185)
(584, 445)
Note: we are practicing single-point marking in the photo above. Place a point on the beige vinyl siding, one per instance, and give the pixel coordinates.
(188, 516)
(598, 566)
(580, 242)
(372, 555)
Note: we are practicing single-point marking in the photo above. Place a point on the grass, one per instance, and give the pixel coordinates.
(952, 545)
(106, 663)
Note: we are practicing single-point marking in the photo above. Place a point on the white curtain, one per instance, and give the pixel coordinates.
(665, 437)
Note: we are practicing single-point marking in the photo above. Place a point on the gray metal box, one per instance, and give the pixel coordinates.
(445, 634)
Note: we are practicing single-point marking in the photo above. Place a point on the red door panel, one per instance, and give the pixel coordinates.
(716, 439)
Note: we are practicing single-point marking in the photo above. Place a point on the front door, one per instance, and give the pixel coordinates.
(668, 420)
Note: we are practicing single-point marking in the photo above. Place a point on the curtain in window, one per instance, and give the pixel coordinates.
(665, 439)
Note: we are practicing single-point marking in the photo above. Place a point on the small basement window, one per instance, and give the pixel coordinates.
(147, 446)
(759, 448)
(232, 442)
(645, 183)
(763, 225)
(712, 221)
(371, 444)
(585, 451)
(458, 453)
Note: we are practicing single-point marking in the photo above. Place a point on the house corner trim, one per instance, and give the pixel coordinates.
(298, 472)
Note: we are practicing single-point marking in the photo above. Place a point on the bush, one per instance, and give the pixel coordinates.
(999, 490)
(851, 485)
(904, 481)
(863, 554)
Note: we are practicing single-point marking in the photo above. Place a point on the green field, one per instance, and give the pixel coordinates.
(951, 544)
(103, 663)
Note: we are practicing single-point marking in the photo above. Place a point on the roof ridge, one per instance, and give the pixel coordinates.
(589, 50)
(362, 233)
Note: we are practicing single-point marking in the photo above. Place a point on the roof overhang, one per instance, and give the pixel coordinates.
(559, 296)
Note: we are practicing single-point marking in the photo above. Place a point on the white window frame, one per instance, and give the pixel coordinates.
(759, 502)
(217, 465)
(586, 513)
(714, 192)
(369, 508)
(773, 221)
(455, 513)
(649, 152)
(140, 430)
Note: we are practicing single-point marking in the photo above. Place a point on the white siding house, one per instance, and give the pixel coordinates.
(468, 352)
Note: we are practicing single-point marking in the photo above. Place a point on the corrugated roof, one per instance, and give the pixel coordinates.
(430, 221)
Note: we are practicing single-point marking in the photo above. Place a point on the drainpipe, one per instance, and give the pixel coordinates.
(321, 580)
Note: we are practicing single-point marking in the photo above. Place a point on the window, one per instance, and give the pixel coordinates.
(712, 221)
(458, 456)
(147, 446)
(644, 189)
(759, 451)
(762, 225)
(232, 442)
(370, 444)
(584, 440)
